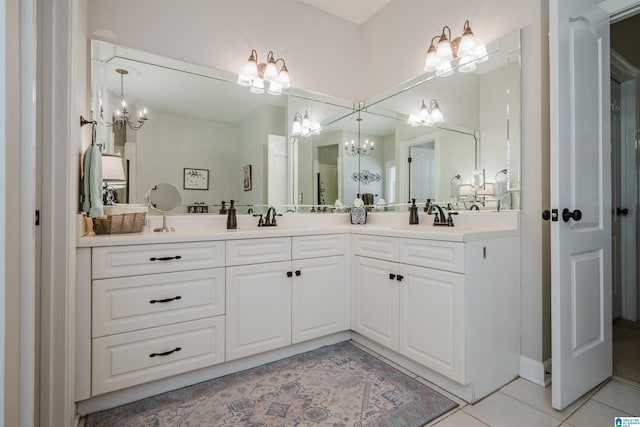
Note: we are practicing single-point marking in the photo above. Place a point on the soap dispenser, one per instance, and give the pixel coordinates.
(413, 212)
(232, 224)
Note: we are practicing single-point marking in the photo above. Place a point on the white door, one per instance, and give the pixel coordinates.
(580, 181)
(277, 170)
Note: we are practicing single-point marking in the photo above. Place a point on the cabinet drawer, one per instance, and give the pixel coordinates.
(257, 251)
(139, 302)
(133, 358)
(120, 261)
(317, 246)
(437, 254)
(380, 247)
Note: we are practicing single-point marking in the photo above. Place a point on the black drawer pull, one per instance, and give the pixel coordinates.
(298, 273)
(166, 353)
(392, 276)
(153, 301)
(289, 273)
(165, 258)
(399, 278)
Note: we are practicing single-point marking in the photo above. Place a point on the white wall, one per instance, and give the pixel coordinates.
(161, 157)
(394, 42)
(322, 52)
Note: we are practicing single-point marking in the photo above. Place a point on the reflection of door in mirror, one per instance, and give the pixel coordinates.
(277, 170)
(326, 184)
(422, 171)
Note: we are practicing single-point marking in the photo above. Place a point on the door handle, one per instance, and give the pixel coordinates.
(550, 215)
(576, 215)
(623, 211)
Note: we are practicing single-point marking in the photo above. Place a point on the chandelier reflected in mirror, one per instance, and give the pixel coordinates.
(359, 148)
(121, 117)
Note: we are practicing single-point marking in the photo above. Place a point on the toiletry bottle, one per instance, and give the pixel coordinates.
(232, 224)
(413, 212)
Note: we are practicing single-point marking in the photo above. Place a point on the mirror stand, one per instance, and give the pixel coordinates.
(164, 228)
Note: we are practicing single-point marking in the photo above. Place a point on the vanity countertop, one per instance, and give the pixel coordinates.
(461, 233)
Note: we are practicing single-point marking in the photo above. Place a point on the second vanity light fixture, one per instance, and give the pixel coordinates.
(121, 117)
(427, 115)
(439, 56)
(302, 126)
(255, 75)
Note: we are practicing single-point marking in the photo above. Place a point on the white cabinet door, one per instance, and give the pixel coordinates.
(318, 297)
(375, 300)
(432, 319)
(258, 308)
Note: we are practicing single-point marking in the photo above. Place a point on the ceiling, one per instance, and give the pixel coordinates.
(356, 11)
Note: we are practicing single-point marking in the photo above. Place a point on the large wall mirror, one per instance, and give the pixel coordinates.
(201, 120)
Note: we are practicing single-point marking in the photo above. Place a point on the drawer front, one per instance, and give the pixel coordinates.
(132, 303)
(317, 246)
(133, 358)
(257, 251)
(448, 256)
(120, 261)
(380, 247)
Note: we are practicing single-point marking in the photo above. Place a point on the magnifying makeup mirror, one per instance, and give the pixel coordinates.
(163, 198)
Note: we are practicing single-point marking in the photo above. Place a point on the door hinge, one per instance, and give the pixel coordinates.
(37, 216)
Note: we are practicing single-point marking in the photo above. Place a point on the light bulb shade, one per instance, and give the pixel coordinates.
(413, 120)
(271, 71)
(424, 112)
(257, 86)
(436, 113)
(444, 69)
(444, 49)
(306, 123)
(467, 64)
(467, 43)
(275, 88)
(251, 68)
(296, 127)
(112, 169)
(432, 60)
(283, 77)
(244, 80)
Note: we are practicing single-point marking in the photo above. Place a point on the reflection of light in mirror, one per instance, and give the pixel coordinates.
(302, 126)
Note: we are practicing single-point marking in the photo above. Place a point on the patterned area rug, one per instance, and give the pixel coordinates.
(337, 385)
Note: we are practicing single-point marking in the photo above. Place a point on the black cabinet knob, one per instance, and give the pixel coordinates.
(622, 211)
(392, 276)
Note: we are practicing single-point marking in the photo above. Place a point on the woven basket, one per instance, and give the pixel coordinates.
(119, 223)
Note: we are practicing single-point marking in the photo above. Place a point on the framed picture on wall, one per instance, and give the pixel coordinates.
(196, 179)
(247, 177)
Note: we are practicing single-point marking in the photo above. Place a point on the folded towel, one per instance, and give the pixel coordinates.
(92, 182)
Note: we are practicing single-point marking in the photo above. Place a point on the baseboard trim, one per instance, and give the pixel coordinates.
(534, 371)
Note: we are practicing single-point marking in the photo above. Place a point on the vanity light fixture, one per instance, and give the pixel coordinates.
(360, 148)
(122, 117)
(302, 126)
(440, 55)
(427, 115)
(255, 75)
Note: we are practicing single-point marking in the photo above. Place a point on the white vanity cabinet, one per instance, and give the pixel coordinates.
(156, 311)
(297, 296)
(449, 306)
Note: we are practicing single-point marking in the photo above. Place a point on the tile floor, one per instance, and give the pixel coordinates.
(525, 404)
